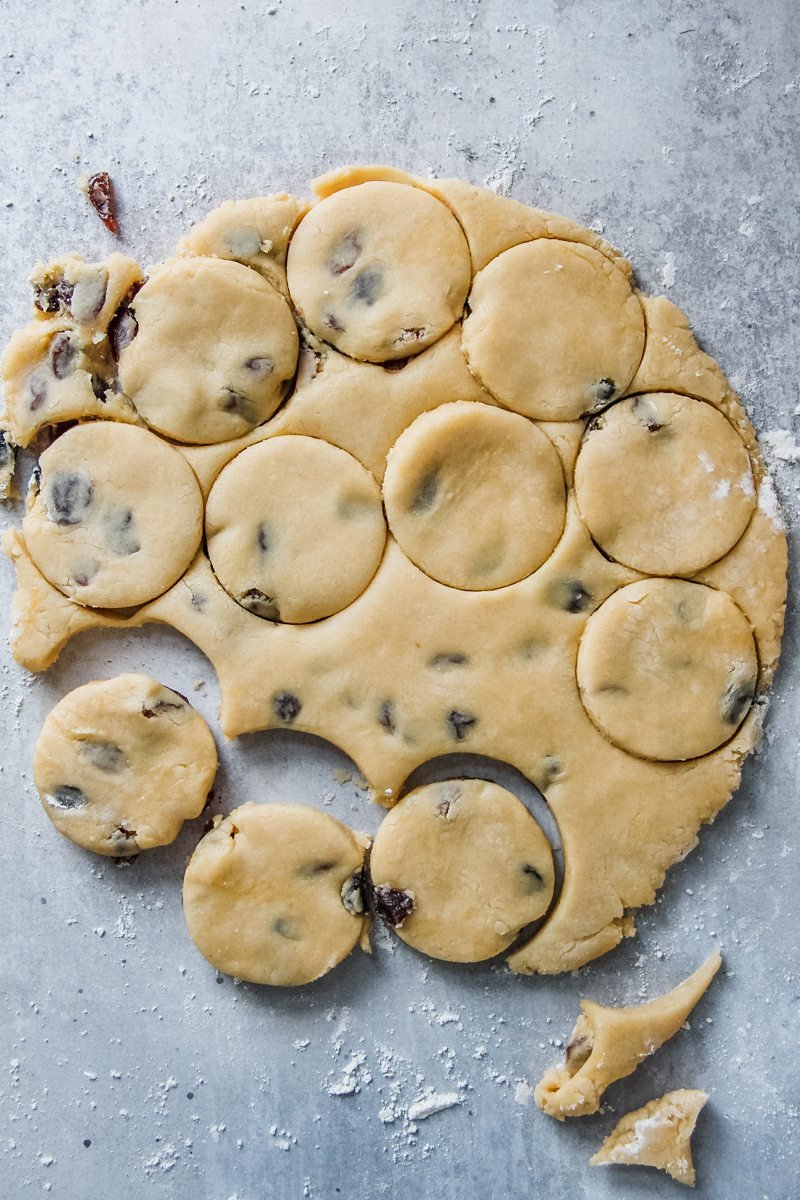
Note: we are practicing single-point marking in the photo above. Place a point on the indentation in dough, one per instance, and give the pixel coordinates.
(608, 1044)
(657, 1135)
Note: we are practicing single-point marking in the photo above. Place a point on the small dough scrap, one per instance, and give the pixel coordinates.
(8, 459)
(254, 232)
(608, 1044)
(664, 483)
(667, 668)
(274, 894)
(214, 347)
(295, 529)
(475, 495)
(554, 330)
(87, 293)
(459, 868)
(121, 763)
(116, 516)
(657, 1135)
(380, 270)
(54, 371)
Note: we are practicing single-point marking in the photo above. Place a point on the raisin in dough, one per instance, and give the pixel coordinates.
(474, 495)
(274, 894)
(657, 1135)
(459, 868)
(121, 763)
(664, 483)
(554, 330)
(667, 668)
(295, 529)
(214, 347)
(380, 271)
(88, 294)
(116, 517)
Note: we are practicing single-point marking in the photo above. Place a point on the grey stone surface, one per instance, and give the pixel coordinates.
(127, 1069)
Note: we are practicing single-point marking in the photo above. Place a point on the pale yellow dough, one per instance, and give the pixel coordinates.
(657, 1135)
(116, 517)
(608, 1044)
(667, 668)
(554, 330)
(505, 656)
(380, 271)
(474, 495)
(121, 763)
(459, 868)
(214, 349)
(664, 483)
(274, 894)
(295, 529)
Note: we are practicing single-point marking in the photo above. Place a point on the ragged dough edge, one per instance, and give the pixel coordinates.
(608, 1044)
(657, 1135)
(491, 223)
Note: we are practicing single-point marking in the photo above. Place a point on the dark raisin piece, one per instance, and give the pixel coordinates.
(460, 723)
(260, 367)
(448, 794)
(99, 387)
(199, 601)
(37, 390)
(579, 1048)
(406, 336)
(571, 595)
(263, 537)
(70, 497)
(286, 706)
(330, 322)
(386, 716)
(315, 870)
(100, 191)
(6, 452)
(85, 574)
(441, 662)
(164, 706)
(393, 905)
(736, 701)
(353, 893)
(63, 355)
(286, 928)
(121, 536)
(54, 296)
(396, 364)
(232, 401)
(344, 253)
(106, 756)
(67, 797)
(259, 603)
(604, 391)
(645, 410)
(123, 834)
(553, 768)
(425, 496)
(534, 880)
(367, 286)
(122, 329)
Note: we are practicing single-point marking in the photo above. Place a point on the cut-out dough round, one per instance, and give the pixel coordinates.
(295, 528)
(380, 270)
(459, 868)
(121, 763)
(664, 484)
(273, 894)
(554, 329)
(667, 669)
(117, 516)
(213, 347)
(475, 495)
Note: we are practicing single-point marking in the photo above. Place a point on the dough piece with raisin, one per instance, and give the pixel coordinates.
(459, 868)
(274, 893)
(115, 517)
(121, 763)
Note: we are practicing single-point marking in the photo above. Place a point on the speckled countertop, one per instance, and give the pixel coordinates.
(128, 1069)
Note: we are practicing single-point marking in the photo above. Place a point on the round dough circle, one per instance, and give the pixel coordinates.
(554, 329)
(667, 669)
(379, 270)
(475, 495)
(295, 528)
(664, 483)
(274, 894)
(215, 345)
(117, 516)
(121, 763)
(459, 868)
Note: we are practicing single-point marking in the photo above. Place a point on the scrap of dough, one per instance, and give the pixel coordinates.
(609, 1043)
(657, 1135)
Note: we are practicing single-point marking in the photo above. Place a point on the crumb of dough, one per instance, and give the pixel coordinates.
(658, 1135)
